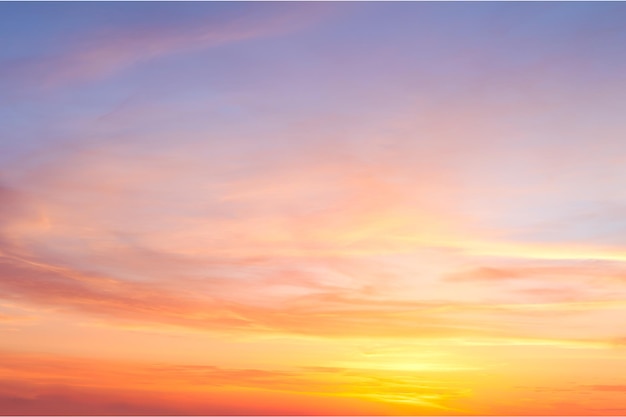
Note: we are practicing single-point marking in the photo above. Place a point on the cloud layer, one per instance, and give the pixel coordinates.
(323, 209)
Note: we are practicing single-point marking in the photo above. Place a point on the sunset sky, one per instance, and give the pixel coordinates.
(316, 208)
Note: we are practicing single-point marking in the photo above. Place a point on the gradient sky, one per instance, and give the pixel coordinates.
(313, 208)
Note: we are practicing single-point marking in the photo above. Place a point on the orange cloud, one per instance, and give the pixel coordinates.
(147, 303)
(52, 384)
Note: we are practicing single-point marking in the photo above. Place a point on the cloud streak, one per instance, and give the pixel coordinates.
(104, 381)
(105, 51)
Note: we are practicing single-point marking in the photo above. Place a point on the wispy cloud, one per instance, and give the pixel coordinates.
(50, 380)
(107, 50)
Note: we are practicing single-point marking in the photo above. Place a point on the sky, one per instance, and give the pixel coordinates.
(312, 208)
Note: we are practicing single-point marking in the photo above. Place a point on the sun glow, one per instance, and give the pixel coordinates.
(312, 208)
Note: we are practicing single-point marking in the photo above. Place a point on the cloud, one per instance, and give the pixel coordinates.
(122, 301)
(556, 271)
(487, 274)
(107, 50)
(546, 281)
(332, 313)
(55, 384)
(607, 388)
